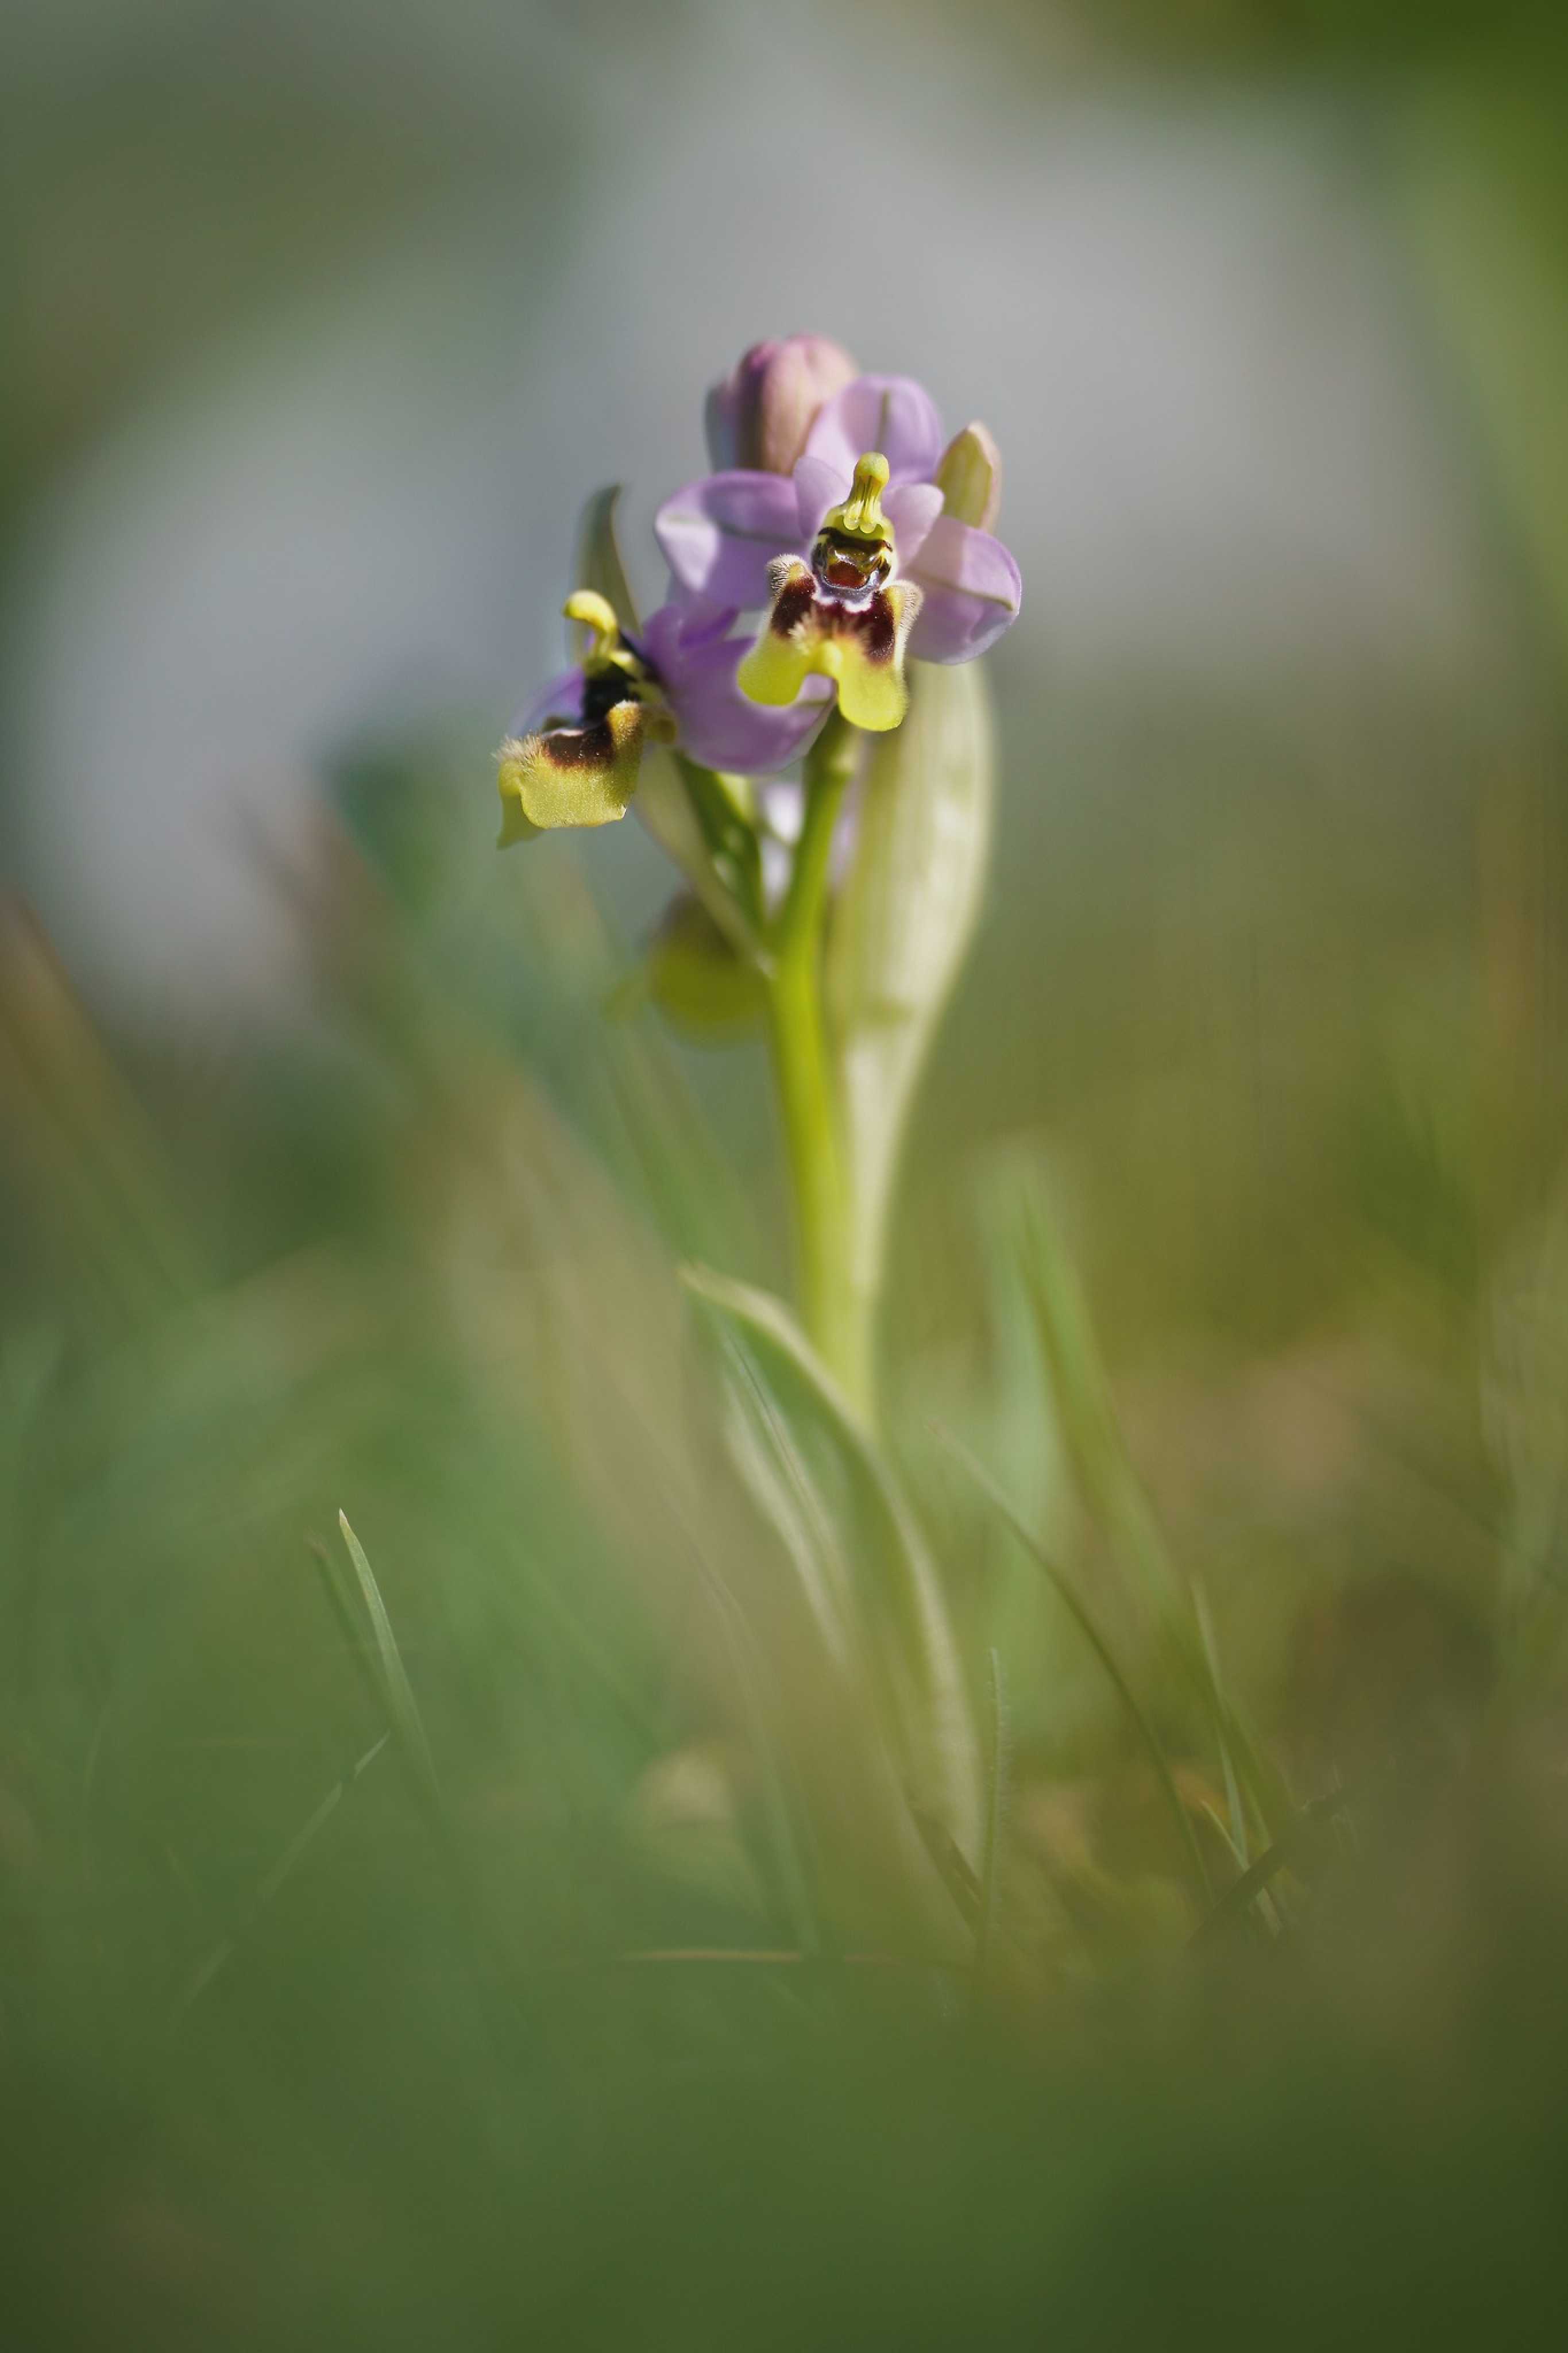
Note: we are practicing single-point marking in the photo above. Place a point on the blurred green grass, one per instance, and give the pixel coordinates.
(1233, 1248)
(420, 1265)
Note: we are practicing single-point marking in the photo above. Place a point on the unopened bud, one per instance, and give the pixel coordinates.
(760, 416)
(703, 986)
(970, 478)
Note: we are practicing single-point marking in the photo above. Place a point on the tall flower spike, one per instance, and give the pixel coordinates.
(582, 768)
(843, 615)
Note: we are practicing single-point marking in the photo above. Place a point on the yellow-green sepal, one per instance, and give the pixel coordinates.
(903, 917)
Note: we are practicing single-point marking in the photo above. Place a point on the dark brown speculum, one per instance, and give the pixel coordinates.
(850, 565)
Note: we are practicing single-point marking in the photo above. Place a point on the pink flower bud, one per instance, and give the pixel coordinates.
(759, 416)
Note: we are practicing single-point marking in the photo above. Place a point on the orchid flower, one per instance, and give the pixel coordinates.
(873, 544)
(572, 756)
(841, 522)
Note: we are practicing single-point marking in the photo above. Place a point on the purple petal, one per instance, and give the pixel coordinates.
(560, 700)
(890, 413)
(911, 508)
(972, 591)
(719, 536)
(817, 487)
(679, 627)
(720, 726)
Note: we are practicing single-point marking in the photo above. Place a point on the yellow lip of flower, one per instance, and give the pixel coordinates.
(858, 644)
(585, 775)
(842, 616)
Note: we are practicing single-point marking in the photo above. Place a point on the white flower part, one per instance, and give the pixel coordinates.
(781, 804)
(777, 867)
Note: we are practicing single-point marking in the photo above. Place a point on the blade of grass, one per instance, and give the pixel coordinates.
(282, 1871)
(994, 1784)
(381, 1662)
(384, 1662)
(1236, 1837)
(1192, 1851)
(1112, 1489)
(1303, 1836)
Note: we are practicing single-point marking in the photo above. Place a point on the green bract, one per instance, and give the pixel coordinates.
(903, 918)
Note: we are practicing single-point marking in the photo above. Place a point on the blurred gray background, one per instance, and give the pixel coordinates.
(330, 316)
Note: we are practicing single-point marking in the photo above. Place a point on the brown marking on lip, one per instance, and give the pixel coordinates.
(793, 604)
(597, 746)
(873, 624)
(579, 748)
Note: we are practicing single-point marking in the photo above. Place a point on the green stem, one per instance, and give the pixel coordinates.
(831, 1308)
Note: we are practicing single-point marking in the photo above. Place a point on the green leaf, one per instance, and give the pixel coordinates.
(902, 922)
(858, 1551)
(598, 566)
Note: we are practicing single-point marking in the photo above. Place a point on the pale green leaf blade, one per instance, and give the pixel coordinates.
(902, 921)
(598, 566)
(871, 1578)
